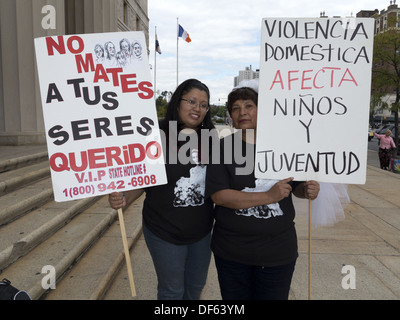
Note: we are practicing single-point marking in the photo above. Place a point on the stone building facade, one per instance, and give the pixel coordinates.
(21, 116)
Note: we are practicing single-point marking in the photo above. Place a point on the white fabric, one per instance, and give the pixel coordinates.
(329, 206)
(252, 84)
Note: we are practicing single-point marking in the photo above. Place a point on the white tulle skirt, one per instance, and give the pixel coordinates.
(328, 208)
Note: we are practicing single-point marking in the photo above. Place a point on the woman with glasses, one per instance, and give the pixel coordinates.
(177, 218)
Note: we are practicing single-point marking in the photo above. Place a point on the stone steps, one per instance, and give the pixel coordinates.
(22, 235)
(25, 199)
(12, 180)
(94, 273)
(80, 239)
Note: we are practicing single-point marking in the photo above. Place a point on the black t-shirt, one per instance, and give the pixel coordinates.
(178, 212)
(263, 235)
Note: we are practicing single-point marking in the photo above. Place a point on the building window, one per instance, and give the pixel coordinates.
(138, 23)
(125, 17)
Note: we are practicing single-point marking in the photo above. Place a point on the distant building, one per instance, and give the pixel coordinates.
(247, 74)
(367, 13)
(21, 116)
(384, 20)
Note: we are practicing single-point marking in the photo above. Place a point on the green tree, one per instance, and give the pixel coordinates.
(376, 104)
(386, 69)
(219, 111)
(161, 104)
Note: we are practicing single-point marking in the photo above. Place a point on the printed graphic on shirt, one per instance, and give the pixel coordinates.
(264, 211)
(190, 191)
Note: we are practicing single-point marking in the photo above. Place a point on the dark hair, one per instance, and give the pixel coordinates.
(173, 105)
(244, 93)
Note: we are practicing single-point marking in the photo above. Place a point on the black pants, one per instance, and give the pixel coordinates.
(384, 157)
(245, 282)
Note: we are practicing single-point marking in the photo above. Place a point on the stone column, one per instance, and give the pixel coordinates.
(90, 16)
(21, 117)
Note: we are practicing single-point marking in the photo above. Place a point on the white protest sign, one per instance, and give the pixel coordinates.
(100, 118)
(313, 108)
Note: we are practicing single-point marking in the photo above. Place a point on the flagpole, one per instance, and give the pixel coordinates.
(155, 64)
(309, 248)
(177, 49)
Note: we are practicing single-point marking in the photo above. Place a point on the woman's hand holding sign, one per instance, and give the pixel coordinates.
(119, 200)
(311, 189)
(280, 190)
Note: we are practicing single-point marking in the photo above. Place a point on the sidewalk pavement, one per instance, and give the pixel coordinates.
(368, 239)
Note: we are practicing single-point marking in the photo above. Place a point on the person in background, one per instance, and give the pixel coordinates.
(177, 218)
(254, 239)
(386, 144)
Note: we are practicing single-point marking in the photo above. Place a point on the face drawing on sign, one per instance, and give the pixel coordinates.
(99, 53)
(110, 53)
(121, 59)
(137, 50)
(125, 48)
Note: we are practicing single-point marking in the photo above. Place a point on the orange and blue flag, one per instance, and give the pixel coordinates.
(184, 34)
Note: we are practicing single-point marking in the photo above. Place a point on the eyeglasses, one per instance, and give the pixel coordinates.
(194, 104)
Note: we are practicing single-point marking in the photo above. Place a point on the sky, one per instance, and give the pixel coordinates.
(225, 36)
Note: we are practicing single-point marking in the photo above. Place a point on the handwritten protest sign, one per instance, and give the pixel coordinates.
(101, 123)
(313, 108)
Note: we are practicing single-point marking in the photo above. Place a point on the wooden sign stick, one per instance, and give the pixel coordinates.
(126, 250)
(309, 249)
